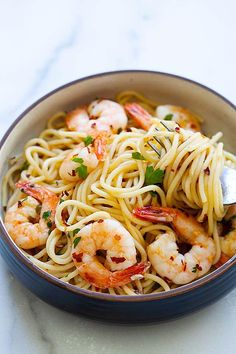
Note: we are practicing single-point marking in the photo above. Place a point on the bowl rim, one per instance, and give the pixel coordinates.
(87, 293)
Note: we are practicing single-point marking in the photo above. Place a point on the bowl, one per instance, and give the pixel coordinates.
(218, 114)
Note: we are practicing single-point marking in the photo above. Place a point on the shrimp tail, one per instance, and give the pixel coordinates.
(40, 193)
(122, 277)
(154, 214)
(223, 259)
(139, 115)
(100, 142)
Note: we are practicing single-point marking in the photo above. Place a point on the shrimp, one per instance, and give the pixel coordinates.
(228, 242)
(163, 253)
(139, 115)
(82, 156)
(120, 265)
(24, 224)
(181, 116)
(101, 115)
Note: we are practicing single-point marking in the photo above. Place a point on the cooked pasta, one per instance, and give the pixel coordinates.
(112, 171)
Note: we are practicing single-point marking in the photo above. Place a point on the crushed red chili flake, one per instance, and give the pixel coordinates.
(19, 204)
(31, 185)
(117, 237)
(193, 126)
(118, 259)
(100, 221)
(198, 267)
(207, 171)
(177, 129)
(77, 256)
(171, 258)
(66, 193)
(93, 125)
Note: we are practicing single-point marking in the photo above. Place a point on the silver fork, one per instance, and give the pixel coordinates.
(227, 178)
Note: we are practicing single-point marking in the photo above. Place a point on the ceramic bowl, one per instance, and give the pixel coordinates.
(218, 114)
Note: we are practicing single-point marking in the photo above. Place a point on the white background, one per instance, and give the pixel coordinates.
(44, 44)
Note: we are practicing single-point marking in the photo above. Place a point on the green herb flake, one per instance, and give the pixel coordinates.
(46, 214)
(24, 166)
(137, 156)
(49, 224)
(195, 268)
(75, 231)
(88, 140)
(61, 201)
(77, 159)
(60, 252)
(76, 241)
(153, 176)
(153, 194)
(82, 171)
(168, 117)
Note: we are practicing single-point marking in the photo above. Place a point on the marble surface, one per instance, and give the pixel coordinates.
(47, 43)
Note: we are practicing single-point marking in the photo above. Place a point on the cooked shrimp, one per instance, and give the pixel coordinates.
(139, 115)
(163, 253)
(120, 265)
(101, 115)
(26, 226)
(83, 156)
(180, 115)
(228, 242)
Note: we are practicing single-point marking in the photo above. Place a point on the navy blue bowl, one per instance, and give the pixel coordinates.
(124, 309)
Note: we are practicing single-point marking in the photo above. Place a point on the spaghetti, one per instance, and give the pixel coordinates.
(191, 162)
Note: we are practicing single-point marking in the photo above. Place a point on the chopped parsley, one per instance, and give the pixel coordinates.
(168, 117)
(61, 201)
(75, 231)
(49, 224)
(196, 267)
(76, 241)
(88, 140)
(153, 176)
(137, 156)
(46, 214)
(82, 171)
(153, 194)
(77, 159)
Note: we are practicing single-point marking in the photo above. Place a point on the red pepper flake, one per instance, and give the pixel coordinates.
(171, 258)
(77, 256)
(193, 126)
(100, 221)
(66, 193)
(198, 267)
(117, 237)
(73, 174)
(177, 129)
(185, 266)
(207, 171)
(19, 204)
(118, 259)
(93, 125)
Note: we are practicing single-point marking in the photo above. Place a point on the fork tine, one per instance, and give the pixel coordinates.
(154, 148)
(170, 130)
(159, 142)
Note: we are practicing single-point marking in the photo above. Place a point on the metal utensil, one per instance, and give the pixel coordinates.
(227, 178)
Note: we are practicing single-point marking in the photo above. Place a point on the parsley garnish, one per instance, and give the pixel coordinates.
(46, 214)
(76, 241)
(61, 201)
(153, 176)
(88, 140)
(194, 270)
(77, 159)
(168, 117)
(82, 171)
(153, 194)
(75, 231)
(137, 156)
(49, 224)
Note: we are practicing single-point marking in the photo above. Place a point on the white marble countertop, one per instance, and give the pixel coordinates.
(47, 43)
